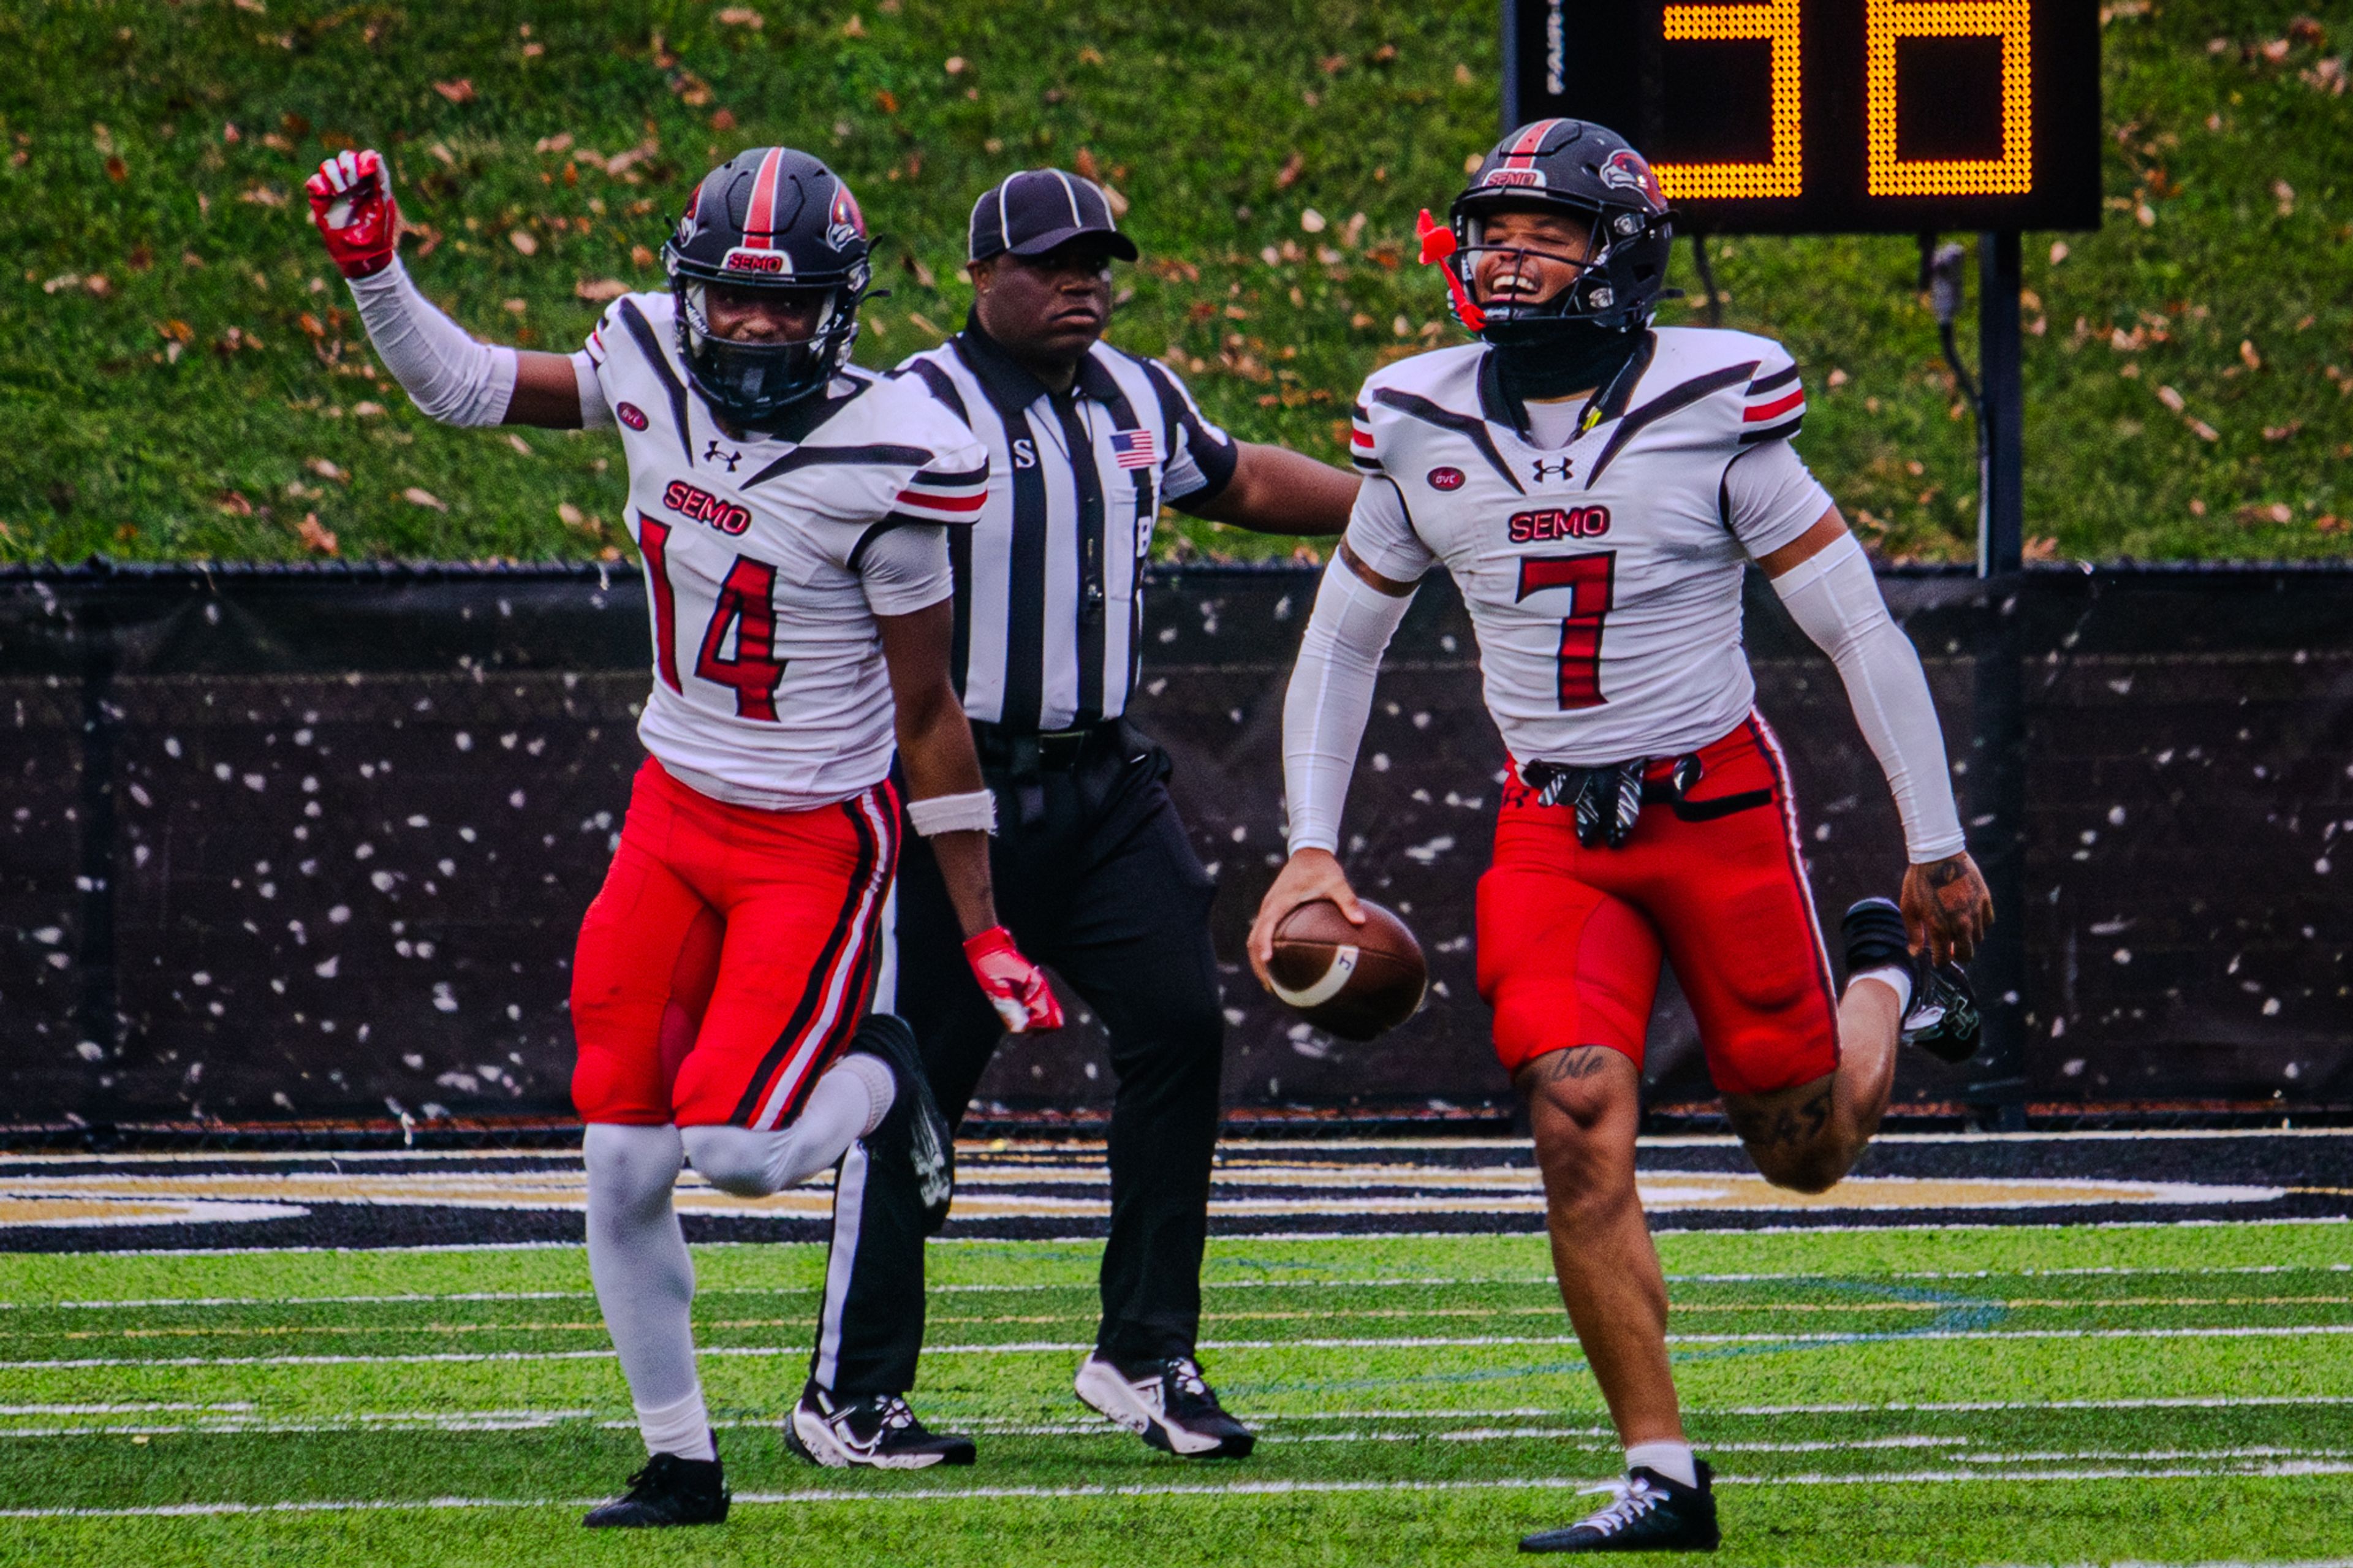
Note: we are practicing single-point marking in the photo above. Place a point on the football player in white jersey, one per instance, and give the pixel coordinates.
(1596, 488)
(792, 513)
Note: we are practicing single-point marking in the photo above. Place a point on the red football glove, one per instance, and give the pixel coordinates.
(351, 200)
(1016, 987)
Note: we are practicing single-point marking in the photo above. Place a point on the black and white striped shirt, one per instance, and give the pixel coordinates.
(1049, 608)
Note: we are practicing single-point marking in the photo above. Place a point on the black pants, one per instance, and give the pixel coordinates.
(1102, 887)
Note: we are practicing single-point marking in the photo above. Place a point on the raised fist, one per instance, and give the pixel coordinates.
(351, 200)
(1016, 987)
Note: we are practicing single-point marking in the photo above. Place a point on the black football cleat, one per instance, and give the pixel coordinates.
(1943, 1017)
(668, 1492)
(1169, 1404)
(914, 1130)
(1651, 1513)
(878, 1432)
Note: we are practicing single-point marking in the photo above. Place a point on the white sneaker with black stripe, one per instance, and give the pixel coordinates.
(1167, 1404)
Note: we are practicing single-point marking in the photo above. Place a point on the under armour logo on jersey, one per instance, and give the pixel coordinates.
(713, 454)
(1545, 468)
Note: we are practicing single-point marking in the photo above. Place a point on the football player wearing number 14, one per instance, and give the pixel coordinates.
(792, 513)
(1595, 486)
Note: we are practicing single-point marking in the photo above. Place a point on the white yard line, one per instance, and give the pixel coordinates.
(1385, 1282)
(1206, 1489)
(1060, 1347)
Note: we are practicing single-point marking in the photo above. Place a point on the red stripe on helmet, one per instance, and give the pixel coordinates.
(760, 218)
(1522, 155)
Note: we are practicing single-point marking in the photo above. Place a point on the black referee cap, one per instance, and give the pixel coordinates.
(1032, 212)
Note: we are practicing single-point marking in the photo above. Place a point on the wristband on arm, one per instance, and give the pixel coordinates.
(975, 811)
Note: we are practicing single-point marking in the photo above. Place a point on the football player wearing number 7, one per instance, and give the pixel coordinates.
(1596, 488)
(792, 515)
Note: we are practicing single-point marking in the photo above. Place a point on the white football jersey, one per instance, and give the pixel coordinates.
(1603, 577)
(767, 558)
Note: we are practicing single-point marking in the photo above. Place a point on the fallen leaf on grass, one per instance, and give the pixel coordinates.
(178, 331)
(569, 515)
(367, 410)
(233, 503)
(2171, 398)
(264, 196)
(2247, 352)
(523, 241)
(724, 120)
(1312, 221)
(425, 498)
(955, 66)
(2040, 550)
(2259, 511)
(520, 445)
(1288, 176)
(853, 28)
(1090, 56)
(555, 143)
(327, 471)
(458, 91)
(2329, 523)
(597, 290)
(2203, 431)
(314, 538)
(2287, 432)
(741, 16)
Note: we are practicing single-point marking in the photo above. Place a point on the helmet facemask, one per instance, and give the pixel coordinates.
(1603, 292)
(751, 383)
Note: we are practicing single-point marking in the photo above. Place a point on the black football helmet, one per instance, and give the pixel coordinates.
(768, 218)
(1589, 174)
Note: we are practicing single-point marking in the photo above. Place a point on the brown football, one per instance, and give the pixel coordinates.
(1353, 981)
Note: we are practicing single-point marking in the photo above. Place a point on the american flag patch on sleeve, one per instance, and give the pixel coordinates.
(1135, 448)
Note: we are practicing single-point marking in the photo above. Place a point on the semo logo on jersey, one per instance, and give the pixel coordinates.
(1559, 523)
(699, 504)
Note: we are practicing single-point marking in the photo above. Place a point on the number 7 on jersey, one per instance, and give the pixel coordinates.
(1592, 581)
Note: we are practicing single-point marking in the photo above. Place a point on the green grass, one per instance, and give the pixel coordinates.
(177, 356)
(1461, 1426)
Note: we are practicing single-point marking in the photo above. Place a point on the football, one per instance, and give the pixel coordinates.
(1353, 981)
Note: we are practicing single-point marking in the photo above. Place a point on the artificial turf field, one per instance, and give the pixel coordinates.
(1947, 1393)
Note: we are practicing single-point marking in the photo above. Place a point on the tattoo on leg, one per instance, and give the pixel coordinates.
(1787, 1124)
(1582, 1062)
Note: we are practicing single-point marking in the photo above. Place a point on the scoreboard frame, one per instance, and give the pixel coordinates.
(1839, 115)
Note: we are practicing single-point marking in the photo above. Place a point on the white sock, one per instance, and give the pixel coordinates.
(1897, 977)
(1671, 1460)
(752, 1162)
(882, 1086)
(681, 1427)
(639, 1263)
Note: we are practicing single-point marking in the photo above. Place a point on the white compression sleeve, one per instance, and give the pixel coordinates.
(1330, 697)
(1834, 596)
(645, 1281)
(848, 1103)
(447, 373)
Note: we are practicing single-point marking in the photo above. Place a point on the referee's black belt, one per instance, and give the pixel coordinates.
(1027, 753)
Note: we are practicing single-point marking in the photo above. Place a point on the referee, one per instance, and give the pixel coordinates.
(1094, 875)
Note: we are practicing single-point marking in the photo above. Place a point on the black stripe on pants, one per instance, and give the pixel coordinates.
(1106, 889)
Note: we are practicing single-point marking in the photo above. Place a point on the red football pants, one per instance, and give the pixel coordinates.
(1571, 938)
(730, 956)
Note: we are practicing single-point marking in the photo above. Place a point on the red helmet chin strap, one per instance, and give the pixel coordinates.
(1437, 245)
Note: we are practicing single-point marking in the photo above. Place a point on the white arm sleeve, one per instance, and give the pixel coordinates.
(1331, 693)
(448, 375)
(1834, 596)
